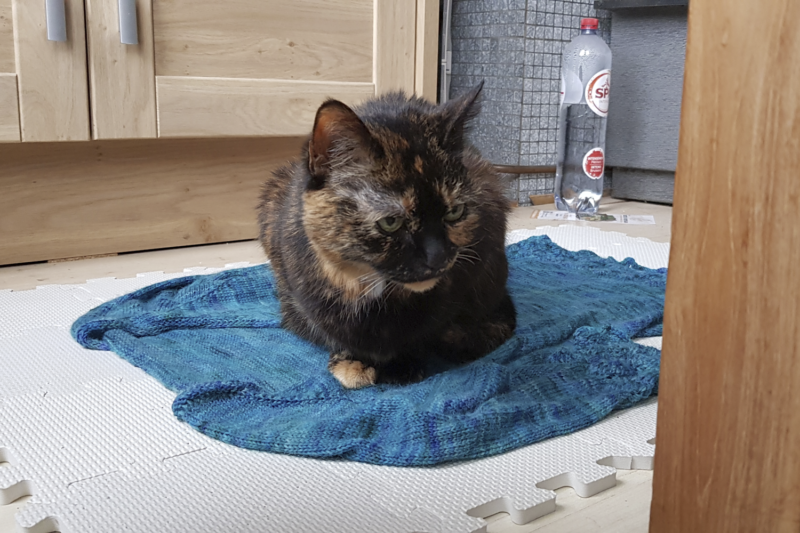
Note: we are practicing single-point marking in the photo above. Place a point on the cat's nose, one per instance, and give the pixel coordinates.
(435, 253)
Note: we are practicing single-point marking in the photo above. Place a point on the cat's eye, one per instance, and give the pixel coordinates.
(390, 224)
(454, 213)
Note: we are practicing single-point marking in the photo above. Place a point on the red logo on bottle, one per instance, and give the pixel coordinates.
(597, 91)
(594, 163)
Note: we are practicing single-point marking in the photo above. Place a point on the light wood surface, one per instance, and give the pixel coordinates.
(395, 45)
(121, 77)
(314, 40)
(728, 455)
(427, 49)
(9, 111)
(74, 199)
(191, 107)
(53, 93)
(7, 62)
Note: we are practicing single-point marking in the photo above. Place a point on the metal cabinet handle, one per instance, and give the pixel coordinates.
(128, 26)
(56, 20)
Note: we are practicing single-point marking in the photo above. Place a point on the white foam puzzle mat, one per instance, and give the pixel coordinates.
(94, 441)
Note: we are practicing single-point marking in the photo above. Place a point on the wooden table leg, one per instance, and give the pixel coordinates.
(728, 442)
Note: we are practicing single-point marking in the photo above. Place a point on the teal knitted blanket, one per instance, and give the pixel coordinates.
(216, 340)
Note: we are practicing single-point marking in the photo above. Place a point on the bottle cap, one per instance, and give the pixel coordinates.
(588, 24)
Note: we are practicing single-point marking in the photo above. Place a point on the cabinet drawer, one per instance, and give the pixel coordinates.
(262, 67)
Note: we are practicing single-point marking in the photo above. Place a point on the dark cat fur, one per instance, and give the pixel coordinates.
(384, 302)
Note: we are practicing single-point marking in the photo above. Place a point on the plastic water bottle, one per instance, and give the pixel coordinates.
(585, 84)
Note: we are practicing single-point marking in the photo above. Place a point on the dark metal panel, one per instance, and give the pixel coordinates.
(649, 47)
(628, 4)
(648, 185)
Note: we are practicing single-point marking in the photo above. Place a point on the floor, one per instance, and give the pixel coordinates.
(625, 508)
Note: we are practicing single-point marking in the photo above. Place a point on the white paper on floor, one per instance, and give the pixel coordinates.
(93, 439)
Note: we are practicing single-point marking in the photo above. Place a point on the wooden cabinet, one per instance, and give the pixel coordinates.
(206, 69)
(44, 80)
(203, 67)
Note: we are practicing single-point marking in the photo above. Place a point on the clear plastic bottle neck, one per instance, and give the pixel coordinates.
(588, 32)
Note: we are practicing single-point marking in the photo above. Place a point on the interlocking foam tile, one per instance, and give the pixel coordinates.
(50, 306)
(238, 492)
(94, 440)
(626, 437)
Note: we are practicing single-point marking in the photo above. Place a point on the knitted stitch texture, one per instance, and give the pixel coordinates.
(216, 340)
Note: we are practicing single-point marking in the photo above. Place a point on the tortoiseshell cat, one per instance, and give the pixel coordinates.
(387, 239)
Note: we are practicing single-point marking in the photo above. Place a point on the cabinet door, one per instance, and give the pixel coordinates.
(9, 108)
(121, 84)
(51, 75)
(261, 67)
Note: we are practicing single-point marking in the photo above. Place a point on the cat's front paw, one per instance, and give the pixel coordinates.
(351, 374)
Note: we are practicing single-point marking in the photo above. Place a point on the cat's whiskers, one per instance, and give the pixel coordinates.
(468, 254)
(369, 276)
(369, 288)
(391, 286)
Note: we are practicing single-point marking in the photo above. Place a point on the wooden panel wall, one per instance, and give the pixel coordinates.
(9, 110)
(314, 40)
(74, 199)
(728, 444)
(427, 49)
(395, 45)
(121, 77)
(7, 62)
(190, 107)
(53, 93)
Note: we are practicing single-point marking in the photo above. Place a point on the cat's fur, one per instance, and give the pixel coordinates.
(381, 301)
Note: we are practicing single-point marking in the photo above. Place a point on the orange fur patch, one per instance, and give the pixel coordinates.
(408, 200)
(449, 195)
(351, 278)
(418, 164)
(421, 286)
(353, 374)
(462, 233)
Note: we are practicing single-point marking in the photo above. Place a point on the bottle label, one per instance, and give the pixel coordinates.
(597, 92)
(594, 163)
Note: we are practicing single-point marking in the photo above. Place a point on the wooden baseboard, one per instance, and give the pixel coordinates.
(541, 199)
(60, 200)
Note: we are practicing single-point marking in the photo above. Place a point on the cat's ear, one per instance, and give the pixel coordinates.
(338, 134)
(457, 113)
